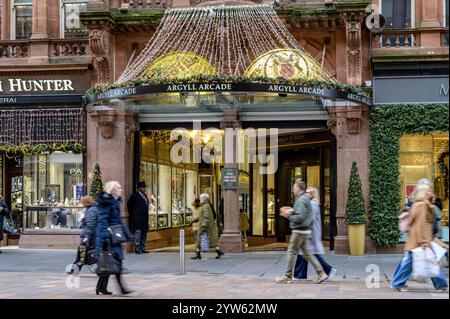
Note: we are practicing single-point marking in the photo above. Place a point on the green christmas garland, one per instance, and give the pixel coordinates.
(387, 125)
(346, 88)
(36, 149)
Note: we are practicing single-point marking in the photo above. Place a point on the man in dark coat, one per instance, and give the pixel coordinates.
(137, 205)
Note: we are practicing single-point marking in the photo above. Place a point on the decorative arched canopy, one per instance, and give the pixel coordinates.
(228, 50)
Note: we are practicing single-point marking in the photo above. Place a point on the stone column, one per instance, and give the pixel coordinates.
(110, 143)
(231, 239)
(350, 124)
(5, 19)
(430, 26)
(39, 52)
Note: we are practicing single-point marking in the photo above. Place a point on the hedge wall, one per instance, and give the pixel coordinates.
(387, 124)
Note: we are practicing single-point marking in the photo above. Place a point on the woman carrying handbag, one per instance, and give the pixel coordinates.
(110, 235)
(5, 224)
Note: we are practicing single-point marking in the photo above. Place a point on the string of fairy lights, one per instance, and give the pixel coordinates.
(225, 39)
(19, 127)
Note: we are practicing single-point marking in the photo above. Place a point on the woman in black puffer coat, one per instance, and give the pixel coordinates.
(108, 205)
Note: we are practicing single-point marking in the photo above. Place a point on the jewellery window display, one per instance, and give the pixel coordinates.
(271, 205)
(173, 188)
(178, 202)
(149, 175)
(52, 189)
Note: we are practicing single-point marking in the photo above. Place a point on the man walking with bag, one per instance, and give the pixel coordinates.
(137, 205)
(300, 221)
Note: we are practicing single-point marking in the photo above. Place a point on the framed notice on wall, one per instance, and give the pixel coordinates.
(230, 178)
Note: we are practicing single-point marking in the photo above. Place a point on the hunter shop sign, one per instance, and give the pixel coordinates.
(226, 87)
(16, 91)
(35, 86)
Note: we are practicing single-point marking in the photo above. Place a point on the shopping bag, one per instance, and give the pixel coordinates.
(438, 250)
(204, 243)
(8, 225)
(425, 264)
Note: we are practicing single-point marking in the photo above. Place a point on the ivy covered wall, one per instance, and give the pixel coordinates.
(387, 124)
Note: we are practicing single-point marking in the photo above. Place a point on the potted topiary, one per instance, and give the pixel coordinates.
(355, 214)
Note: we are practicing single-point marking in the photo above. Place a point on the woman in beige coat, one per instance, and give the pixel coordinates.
(207, 224)
(420, 235)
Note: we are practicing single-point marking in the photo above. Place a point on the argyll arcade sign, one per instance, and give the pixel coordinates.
(129, 92)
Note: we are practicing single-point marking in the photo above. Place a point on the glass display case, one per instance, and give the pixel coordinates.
(271, 205)
(53, 217)
(164, 196)
(178, 197)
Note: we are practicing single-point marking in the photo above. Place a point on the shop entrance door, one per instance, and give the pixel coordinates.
(289, 173)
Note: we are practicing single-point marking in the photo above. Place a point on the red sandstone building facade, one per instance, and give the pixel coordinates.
(316, 143)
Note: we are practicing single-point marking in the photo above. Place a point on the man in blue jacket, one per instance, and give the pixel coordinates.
(300, 221)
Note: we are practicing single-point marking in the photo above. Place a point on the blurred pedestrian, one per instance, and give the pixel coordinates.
(420, 235)
(197, 206)
(208, 226)
(88, 227)
(437, 210)
(108, 203)
(300, 221)
(4, 213)
(315, 245)
(244, 223)
(138, 208)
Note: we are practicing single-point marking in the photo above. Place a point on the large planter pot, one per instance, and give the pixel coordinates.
(356, 239)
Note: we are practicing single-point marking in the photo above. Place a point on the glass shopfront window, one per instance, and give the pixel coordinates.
(22, 15)
(71, 25)
(173, 187)
(52, 188)
(425, 156)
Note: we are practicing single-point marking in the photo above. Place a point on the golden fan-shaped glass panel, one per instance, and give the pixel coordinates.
(178, 65)
(285, 63)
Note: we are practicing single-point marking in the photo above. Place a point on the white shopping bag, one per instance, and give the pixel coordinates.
(425, 264)
(438, 250)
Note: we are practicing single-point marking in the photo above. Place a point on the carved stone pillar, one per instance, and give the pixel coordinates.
(113, 153)
(349, 123)
(100, 40)
(353, 24)
(231, 239)
(5, 19)
(100, 24)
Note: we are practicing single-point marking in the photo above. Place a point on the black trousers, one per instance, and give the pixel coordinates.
(103, 280)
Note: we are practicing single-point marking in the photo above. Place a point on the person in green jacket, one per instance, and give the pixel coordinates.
(300, 221)
(207, 224)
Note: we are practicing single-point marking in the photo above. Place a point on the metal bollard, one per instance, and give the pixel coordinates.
(182, 253)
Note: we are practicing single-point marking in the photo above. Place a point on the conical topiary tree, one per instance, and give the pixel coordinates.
(355, 211)
(97, 184)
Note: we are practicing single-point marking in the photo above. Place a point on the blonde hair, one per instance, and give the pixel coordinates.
(421, 192)
(314, 192)
(110, 186)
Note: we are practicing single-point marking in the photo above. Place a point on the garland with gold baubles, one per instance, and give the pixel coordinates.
(223, 78)
(47, 148)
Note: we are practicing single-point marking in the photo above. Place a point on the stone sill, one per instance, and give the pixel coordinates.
(409, 54)
(52, 232)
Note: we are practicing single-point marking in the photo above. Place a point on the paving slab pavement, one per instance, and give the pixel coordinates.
(41, 274)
